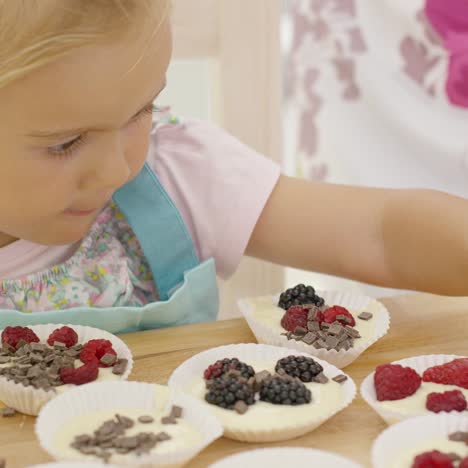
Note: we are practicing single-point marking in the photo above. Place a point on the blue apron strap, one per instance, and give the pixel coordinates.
(162, 233)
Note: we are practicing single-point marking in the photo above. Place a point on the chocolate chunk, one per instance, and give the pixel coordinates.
(332, 342)
(335, 329)
(301, 331)
(313, 326)
(108, 359)
(37, 347)
(88, 450)
(241, 407)
(319, 344)
(4, 359)
(59, 346)
(168, 420)
(124, 421)
(352, 332)
(22, 344)
(8, 349)
(176, 411)
(459, 436)
(163, 436)
(343, 318)
(340, 378)
(309, 338)
(365, 316)
(325, 326)
(312, 314)
(36, 358)
(321, 378)
(146, 419)
(261, 376)
(288, 335)
(454, 456)
(8, 412)
(120, 367)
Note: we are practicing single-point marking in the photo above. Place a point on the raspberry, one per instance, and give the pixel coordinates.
(434, 459)
(219, 368)
(81, 375)
(463, 463)
(13, 335)
(295, 316)
(65, 335)
(394, 382)
(329, 316)
(452, 373)
(94, 350)
(447, 401)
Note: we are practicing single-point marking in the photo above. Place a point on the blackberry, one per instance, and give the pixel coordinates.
(227, 391)
(221, 367)
(304, 368)
(281, 391)
(299, 295)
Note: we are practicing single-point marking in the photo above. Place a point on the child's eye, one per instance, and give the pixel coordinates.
(67, 148)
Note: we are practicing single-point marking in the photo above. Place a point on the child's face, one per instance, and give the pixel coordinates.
(73, 132)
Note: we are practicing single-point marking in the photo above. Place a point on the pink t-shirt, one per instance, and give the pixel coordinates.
(219, 185)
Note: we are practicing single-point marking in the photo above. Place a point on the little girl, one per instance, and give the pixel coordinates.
(126, 226)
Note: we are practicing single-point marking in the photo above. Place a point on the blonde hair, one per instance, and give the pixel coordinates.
(34, 33)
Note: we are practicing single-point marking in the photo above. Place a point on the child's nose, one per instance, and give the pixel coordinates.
(110, 169)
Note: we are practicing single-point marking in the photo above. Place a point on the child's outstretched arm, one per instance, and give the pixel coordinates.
(410, 239)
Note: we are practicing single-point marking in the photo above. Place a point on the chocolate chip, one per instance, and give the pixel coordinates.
(241, 407)
(108, 359)
(146, 419)
(321, 378)
(340, 378)
(120, 367)
(8, 412)
(365, 316)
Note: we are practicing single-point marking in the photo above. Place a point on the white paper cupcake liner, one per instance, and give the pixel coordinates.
(340, 359)
(29, 400)
(281, 457)
(131, 395)
(419, 364)
(407, 434)
(184, 376)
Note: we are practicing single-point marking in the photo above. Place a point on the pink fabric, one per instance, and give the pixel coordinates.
(219, 185)
(450, 20)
